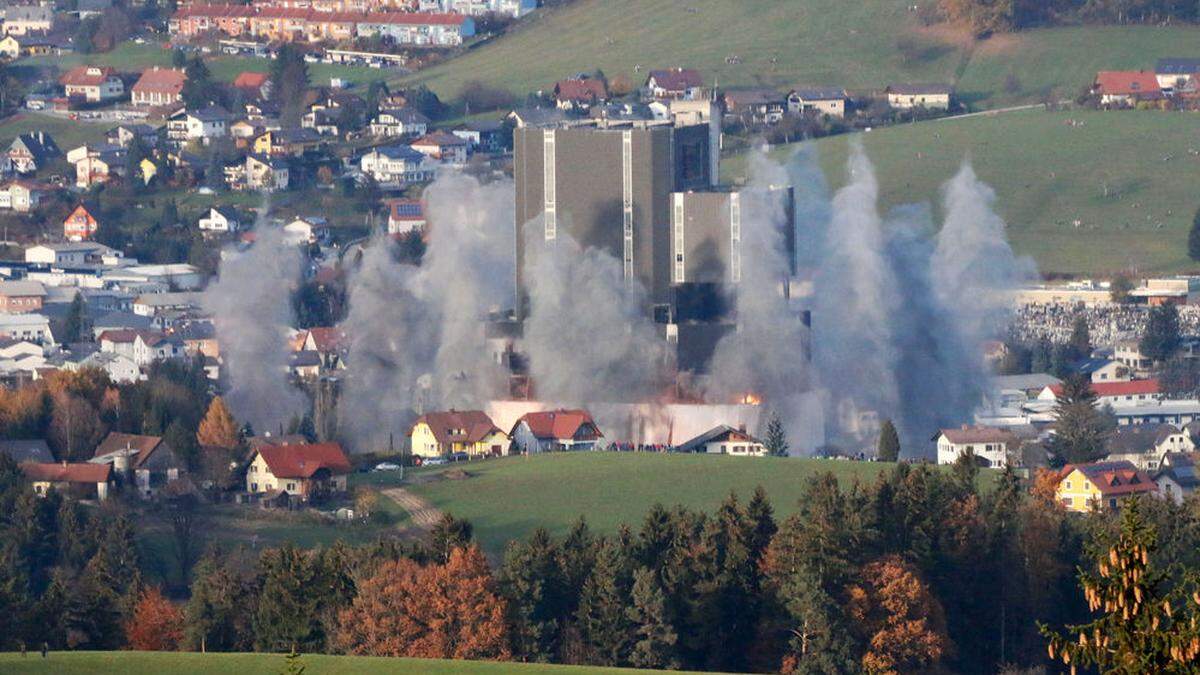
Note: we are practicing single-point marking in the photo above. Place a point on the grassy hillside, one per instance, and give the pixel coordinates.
(153, 663)
(506, 499)
(861, 45)
(1050, 170)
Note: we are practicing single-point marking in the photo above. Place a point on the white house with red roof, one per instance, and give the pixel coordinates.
(158, 86)
(684, 84)
(988, 444)
(92, 83)
(301, 471)
(550, 430)
(1117, 394)
(1126, 87)
(405, 215)
(443, 146)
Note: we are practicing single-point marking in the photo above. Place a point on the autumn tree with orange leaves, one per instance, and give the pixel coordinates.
(449, 611)
(904, 623)
(218, 428)
(156, 624)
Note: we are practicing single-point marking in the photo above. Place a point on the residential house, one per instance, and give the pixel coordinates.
(1175, 74)
(329, 343)
(32, 151)
(405, 215)
(33, 328)
(245, 130)
(1103, 485)
(158, 87)
(537, 117)
(93, 84)
(755, 106)
(18, 356)
(1128, 354)
(253, 86)
(304, 472)
(98, 164)
(1126, 87)
(118, 367)
(220, 219)
(23, 196)
(15, 46)
(304, 365)
(293, 142)
(199, 337)
(19, 297)
(552, 430)
(398, 122)
(991, 446)
(830, 101)
(1103, 370)
(74, 254)
(725, 440)
(674, 83)
(307, 230)
(146, 463)
(28, 450)
(202, 125)
(1176, 477)
(268, 174)
(484, 135)
(1144, 445)
(397, 165)
(22, 20)
(444, 147)
(1177, 412)
(1132, 392)
(80, 224)
(126, 133)
(437, 434)
(77, 480)
(928, 96)
(143, 347)
(580, 93)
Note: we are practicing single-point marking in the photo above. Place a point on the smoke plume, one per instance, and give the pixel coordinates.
(252, 310)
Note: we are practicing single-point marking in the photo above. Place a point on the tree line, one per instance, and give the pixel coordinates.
(998, 16)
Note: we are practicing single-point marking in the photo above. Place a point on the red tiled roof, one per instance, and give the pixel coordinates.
(302, 461)
(1127, 82)
(67, 473)
(1130, 388)
(677, 79)
(575, 89)
(250, 80)
(86, 76)
(327, 338)
(978, 434)
(1113, 479)
(123, 335)
(561, 424)
(458, 426)
(117, 442)
(166, 80)
(440, 139)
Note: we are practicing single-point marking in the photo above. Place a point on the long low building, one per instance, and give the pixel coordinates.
(287, 24)
(1178, 413)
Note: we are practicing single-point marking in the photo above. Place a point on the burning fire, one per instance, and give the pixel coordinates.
(750, 398)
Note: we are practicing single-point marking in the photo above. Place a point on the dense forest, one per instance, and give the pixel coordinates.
(920, 571)
(996, 16)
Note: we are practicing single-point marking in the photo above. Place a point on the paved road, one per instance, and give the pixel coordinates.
(422, 515)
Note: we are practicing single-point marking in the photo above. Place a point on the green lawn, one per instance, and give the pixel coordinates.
(155, 663)
(507, 498)
(860, 45)
(1050, 170)
(67, 133)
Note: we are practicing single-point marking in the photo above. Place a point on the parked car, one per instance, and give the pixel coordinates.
(434, 461)
(459, 457)
(387, 466)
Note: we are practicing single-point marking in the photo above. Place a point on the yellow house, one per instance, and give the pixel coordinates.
(471, 431)
(149, 169)
(1086, 487)
(264, 144)
(302, 471)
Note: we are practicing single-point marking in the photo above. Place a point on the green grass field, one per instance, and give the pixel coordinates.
(156, 663)
(507, 498)
(784, 43)
(67, 133)
(1050, 170)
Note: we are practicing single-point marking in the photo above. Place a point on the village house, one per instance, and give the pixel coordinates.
(220, 219)
(199, 337)
(552, 430)
(118, 367)
(145, 463)
(398, 122)
(405, 215)
(484, 135)
(23, 196)
(1175, 74)
(755, 106)
(1103, 370)
(20, 20)
(1128, 354)
(158, 87)
(253, 86)
(992, 447)
(829, 101)
(304, 472)
(74, 254)
(726, 440)
(15, 46)
(1144, 445)
(92, 83)
(438, 434)
(32, 151)
(290, 142)
(202, 125)
(75, 480)
(307, 230)
(19, 297)
(310, 24)
(444, 147)
(928, 96)
(141, 346)
(98, 164)
(1103, 485)
(1176, 477)
(330, 343)
(27, 450)
(397, 165)
(125, 134)
(674, 83)
(268, 174)
(1124, 88)
(28, 327)
(1131, 392)
(580, 93)
(80, 224)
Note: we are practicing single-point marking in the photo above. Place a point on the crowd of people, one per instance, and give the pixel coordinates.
(1107, 324)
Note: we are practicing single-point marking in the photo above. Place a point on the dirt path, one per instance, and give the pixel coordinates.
(422, 515)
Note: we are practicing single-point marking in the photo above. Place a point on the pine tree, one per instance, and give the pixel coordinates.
(286, 617)
(75, 325)
(1193, 242)
(762, 518)
(604, 626)
(447, 534)
(656, 637)
(1161, 338)
(776, 441)
(217, 615)
(533, 583)
(888, 447)
(218, 428)
(576, 558)
(1081, 338)
(1080, 430)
